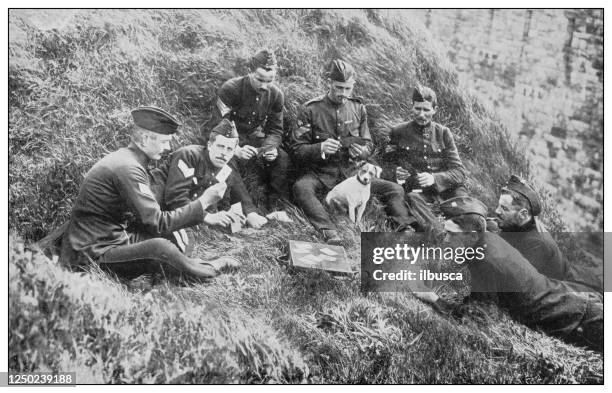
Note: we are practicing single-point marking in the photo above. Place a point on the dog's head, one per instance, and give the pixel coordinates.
(366, 171)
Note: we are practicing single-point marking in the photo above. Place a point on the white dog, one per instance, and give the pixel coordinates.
(354, 192)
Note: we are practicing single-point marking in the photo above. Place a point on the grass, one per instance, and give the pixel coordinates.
(71, 89)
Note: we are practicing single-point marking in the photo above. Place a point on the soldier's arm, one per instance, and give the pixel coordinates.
(239, 193)
(454, 173)
(274, 123)
(364, 132)
(133, 185)
(302, 147)
(389, 159)
(180, 180)
(227, 97)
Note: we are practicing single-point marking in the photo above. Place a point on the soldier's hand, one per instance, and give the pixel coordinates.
(271, 155)
(425, 179)
(255, 220)
(212, 194)
(401, 173)
(246, 152)
(222, 218)
(330, 146)
(356, 150)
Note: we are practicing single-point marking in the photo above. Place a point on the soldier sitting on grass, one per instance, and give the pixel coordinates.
(193, 169)
(422, 156)
(118, 186)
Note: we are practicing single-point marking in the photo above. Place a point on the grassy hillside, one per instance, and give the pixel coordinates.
(73, 78)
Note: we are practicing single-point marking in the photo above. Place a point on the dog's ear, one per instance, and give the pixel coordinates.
(377, 170)
(360, 164)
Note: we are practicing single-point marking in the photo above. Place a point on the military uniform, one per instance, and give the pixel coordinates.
(115, 186)
(552, 305)
(426, 149)
(191, 172)
(539, 248)
(258, 116)
(322, 119)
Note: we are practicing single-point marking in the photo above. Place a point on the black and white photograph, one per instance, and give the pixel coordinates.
(305, 196)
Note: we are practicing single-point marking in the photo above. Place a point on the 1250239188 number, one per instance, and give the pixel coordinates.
(42, 378)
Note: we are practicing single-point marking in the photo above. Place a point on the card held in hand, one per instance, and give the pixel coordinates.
(223, 174)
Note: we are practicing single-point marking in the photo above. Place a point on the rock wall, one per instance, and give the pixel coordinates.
(542, 71)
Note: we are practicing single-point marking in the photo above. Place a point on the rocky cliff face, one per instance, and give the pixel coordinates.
(542, 71)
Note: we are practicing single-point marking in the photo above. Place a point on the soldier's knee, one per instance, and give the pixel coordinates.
(395, 190)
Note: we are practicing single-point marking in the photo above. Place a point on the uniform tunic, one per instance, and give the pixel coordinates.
(538, 248)
(258, 115)
(114, 187)
(426, 149)
(191, 172)
(322, 119)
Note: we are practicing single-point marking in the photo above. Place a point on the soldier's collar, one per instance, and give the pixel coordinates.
(334, 104)
(141, 157)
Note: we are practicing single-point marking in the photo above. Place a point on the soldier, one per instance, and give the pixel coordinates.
(193, 169)
(255, 104)
(332, 136)
(517, 211)
(532, 298)
(422, 156)
(117, 186)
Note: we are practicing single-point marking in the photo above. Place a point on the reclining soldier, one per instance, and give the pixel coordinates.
(557, 307)
(517, 211)
(118, 186)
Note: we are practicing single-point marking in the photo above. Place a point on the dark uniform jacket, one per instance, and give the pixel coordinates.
(114, 187)
(425, 149)
(191, 172)
(539, 248)
(531, 297)
(258, 115)
(321, 119)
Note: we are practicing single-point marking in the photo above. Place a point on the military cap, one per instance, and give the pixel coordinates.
(155, 120)
(422, 94)
(519, 185)
(263, 59)
(225, 128)
(341, 71)
(458, 206)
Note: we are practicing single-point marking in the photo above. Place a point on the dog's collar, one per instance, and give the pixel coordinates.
(359, 180)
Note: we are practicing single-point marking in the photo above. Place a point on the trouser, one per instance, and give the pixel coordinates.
(273, 174)
(152, 255)
(309, 186)
(419, 206)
